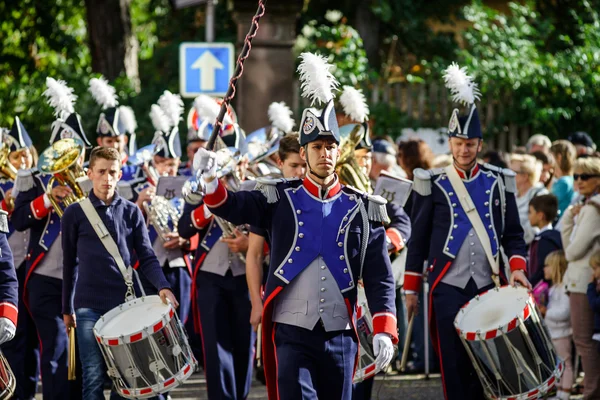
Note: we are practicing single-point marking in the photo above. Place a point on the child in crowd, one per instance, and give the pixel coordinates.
(542, 211)
(557, 317)
(593, 293)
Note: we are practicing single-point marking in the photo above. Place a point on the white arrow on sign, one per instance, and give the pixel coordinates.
(207, 64)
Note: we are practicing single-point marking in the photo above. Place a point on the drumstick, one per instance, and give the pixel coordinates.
(258, 346)
(72, 373)
(407, 343)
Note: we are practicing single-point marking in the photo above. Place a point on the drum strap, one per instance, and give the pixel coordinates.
(109, 243)
(365, 236)
(467, 204)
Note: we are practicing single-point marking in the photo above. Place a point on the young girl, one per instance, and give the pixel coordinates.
(594, 294)
(557, 317)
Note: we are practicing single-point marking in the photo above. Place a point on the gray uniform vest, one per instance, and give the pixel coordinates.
(470, 262)
(219, 260)
(174, 256)
(312, 296)
(52, 263)
(18, 242)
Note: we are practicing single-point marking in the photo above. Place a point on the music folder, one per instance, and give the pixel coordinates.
(393, 188)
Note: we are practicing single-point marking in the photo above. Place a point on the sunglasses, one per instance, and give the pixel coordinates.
(584, 177)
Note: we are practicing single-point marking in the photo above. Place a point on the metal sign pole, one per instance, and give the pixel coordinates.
(210, 21)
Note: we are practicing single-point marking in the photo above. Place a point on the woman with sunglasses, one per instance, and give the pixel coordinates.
(581, 238)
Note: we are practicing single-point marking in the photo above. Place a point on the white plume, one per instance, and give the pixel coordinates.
(103, 93)
(318, 83)
(354, 103)
(127, 118)
(172, 106)
(160, 120)
(60, 97)
(461, 85)
(208, 109)
(280, 116)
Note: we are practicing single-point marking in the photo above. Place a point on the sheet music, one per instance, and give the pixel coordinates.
(394, 189)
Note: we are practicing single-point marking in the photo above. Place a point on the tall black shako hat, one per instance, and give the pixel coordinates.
(17, 138)
(68, 122)
(355, 107)
(105, 95)
(165, 117)
(318, 84)
(463, 123)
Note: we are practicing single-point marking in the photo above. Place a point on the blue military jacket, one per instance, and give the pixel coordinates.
(31, 213)
(304, 223)
(440, 225)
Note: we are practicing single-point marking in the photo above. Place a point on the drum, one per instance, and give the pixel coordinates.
(509, 345)
(145, 347)
(366, 367)
(7, 379)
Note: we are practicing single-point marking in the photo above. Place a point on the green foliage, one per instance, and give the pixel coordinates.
(389, 121)
(340, 43)
(551, 79)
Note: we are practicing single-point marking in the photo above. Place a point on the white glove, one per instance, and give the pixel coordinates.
(205, 164)
(7, 330)
(383, 350)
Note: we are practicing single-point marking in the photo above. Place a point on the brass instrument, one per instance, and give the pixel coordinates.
(61, 161)
(347, 168)
(163, 215)
(7, 170)
(142, 159)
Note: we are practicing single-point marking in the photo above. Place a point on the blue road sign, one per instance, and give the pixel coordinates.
(205, 68)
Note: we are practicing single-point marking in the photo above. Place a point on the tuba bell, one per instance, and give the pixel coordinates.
(7, 170)
(163, 215)
(347, 168)
(61, 161)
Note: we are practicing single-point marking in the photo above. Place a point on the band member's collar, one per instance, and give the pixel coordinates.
(124, 160)
(467, 174)
(315, 189)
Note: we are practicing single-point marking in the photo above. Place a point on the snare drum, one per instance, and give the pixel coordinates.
(145, 347)
(8, 382)
(366, 367)
(509, 344)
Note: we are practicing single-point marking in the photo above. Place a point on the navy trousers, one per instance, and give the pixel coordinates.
(458, 375)
(227, 336)
(314, 364)
(22, 353)
(45, 300)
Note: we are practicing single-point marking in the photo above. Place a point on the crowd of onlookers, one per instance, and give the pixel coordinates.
(558, 199)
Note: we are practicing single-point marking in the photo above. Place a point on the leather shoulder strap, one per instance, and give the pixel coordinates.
(467, 204)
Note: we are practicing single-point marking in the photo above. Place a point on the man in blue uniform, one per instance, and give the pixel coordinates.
(443, 235)
(111, 128)
(321, 233)
(43, 283)
(9, 286)
(22, 353)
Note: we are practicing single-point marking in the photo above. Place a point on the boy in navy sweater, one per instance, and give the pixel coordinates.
(542, 211)
(92, 281)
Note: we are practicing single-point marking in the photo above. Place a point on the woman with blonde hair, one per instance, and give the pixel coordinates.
(581, 238)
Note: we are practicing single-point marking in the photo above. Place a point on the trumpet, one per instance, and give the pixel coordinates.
(61, 161)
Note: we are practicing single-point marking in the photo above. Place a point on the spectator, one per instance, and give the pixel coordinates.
(557, 318)
(495, 158)
(584, 145)
(593, 293)
(414, 153)
(528, 171)
(538, 142)
(384, 159)
(542, 211)
(581, 238)
(564, 157)
(547, 160)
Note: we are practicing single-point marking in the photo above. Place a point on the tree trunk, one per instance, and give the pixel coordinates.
(113, 45)
(367, 26)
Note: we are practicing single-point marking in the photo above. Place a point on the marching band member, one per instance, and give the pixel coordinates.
(398, 228)
(444, 236)
(129, 123)
(9, 286)
(170, 249)
(111, 130)
(22, 353)
(43, 283)
(321, 232)
(292, 166)
(93, 282)
(197, 136)
(221, 305)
